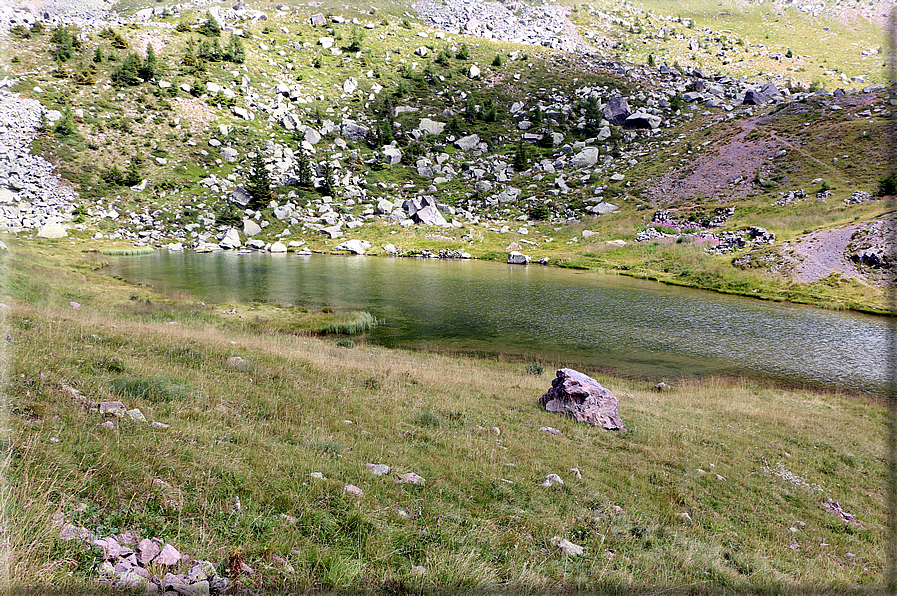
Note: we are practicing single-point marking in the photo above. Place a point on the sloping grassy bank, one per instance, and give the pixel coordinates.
(716, 487)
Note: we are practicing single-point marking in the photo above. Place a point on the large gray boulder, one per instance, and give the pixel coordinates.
(753, 97)
(582, 398)
(352, 131)
(467, 143)
(617, 110)
(642, 120)
(251, 228)
(392, 155)
(431, 127)
(354, 245)
(517, 258)
(586, 158)
(52, 230)
(240, 196)
(428, 215)
(231, 239)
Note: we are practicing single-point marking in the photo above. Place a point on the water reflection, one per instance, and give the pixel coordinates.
(640, 328)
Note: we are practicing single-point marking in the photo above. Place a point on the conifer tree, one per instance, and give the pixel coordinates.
(258, 183)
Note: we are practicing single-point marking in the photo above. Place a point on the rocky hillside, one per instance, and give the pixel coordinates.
(489, 128)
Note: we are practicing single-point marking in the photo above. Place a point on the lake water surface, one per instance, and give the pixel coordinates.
(556, 316)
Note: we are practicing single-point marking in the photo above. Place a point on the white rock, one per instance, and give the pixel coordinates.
(354, 245)
(567, 547)
(52, 230)
(517, 258)
(552, 479)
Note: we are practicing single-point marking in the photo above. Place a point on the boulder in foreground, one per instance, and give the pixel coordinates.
(581, 397)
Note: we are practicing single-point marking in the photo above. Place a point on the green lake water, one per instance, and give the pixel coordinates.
(558, 317)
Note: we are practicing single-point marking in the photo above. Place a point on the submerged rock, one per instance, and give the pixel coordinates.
(581, 397)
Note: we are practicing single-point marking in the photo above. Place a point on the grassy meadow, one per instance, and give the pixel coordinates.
(715, 487)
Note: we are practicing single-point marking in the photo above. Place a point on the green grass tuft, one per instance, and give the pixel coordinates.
(159, 388)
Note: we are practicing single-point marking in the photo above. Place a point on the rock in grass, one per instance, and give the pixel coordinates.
(567, 547)
(378, 469)
(136, 415)
(410, 478)
(52, 230)
(354, 490)
(168, 556)
(356, 246)
(147, 551)
(111, 407)
(551, 430)
(582, 398)
(552, 479)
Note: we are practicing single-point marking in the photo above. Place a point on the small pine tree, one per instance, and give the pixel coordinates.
(132, 174)
(65, 44)
(234, 51)
(328, 183)
(303, 170)
(651, 62)
(210, 27)
(98, 55)
(521, 156)
(355, 41)
(128, 72)
(463, 52)
(537, 116)
(258, 183)
(66, 125)
(147, 69)
(496, 62)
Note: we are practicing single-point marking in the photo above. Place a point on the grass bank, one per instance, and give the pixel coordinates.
(717, 486)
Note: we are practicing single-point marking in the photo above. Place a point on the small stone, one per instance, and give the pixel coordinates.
(111, 407)
(160, 425)
(354, 490)
(129, 579)
(108, 425)
(147, 551)
(168, 556)
(685, 517)
(662, 386)
(576, 472)
(379, 469)
(136, 415)
(551, 431)
(317, 476)
(567, 547)
(552, 479)
(410, 478)
(418, 570)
